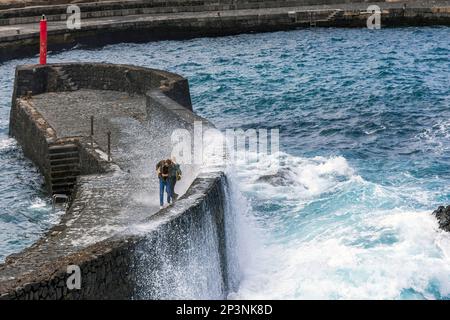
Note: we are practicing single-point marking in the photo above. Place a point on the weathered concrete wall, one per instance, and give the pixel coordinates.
(28, 126)
(105, 274)
(90, 162)
(110, 269)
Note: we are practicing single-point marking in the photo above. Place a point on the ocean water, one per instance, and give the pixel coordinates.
(25, 210)
(364, 119)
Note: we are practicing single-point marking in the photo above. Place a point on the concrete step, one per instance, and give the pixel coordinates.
(64, 173)
(63, 185)
(62, 190)
(66, 79)
(65, 179)
(65, 167)
(60, 198)
(62, 148)
(63, 155)
(73, 160)
(336, 14)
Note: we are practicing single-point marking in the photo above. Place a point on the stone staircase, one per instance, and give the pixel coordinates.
(338, 13)
(315, 18)
(64, 168)
(68, 84)
(318, 17)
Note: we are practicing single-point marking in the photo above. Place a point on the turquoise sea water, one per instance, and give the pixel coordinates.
(364, 121)
(25, 211)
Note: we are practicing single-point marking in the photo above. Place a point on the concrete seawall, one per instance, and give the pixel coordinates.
(134, 22)
(95, 233)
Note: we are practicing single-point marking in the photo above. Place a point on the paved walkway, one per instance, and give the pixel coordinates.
(137, 144)
(107, 204)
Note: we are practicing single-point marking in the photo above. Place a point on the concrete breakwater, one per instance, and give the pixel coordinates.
(140, 107)
(140, 21)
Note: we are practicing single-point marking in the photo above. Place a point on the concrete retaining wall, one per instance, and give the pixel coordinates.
(105, 274)
(33, 133)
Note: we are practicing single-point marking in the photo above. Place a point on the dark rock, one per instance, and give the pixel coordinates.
(282, 178)
(443, 215)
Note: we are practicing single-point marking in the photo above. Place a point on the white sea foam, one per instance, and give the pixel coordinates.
(358, 250)
(6, 143)
(297, 178)
(329, 268)
(436, 137)
(38, 204)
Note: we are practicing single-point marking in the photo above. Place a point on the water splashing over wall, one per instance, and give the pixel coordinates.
(192, 256)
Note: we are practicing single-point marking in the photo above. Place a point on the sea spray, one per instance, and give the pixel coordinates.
(194, 255)
(181, 259)
(327, 233)
(243, 236)
(199, 252)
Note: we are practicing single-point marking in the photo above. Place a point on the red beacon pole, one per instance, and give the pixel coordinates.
(43, 40)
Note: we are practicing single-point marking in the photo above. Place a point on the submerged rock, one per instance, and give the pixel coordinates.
(281, 178)
(443, 215)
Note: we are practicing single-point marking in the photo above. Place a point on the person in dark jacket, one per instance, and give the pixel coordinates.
(163, 169)
(174, 176)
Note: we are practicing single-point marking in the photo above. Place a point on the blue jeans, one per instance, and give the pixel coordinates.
(164, 184)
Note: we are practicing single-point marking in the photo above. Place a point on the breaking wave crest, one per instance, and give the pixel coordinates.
(319, 230)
